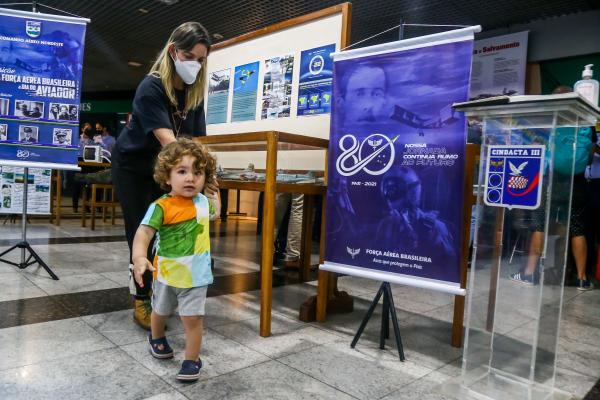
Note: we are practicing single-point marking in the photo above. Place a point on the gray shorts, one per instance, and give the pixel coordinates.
(165, 300)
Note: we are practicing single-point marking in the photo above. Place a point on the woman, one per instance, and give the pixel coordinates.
(168, 103)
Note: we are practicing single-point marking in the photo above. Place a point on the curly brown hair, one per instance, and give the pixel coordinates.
(174, 152)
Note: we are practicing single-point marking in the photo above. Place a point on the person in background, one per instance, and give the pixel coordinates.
(168, 103)
(291, 255)
(592, 174)
(562, 165)
(76, 187)
(105, 138)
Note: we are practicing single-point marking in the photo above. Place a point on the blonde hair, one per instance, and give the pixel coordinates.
(174, 152)
(184, 37)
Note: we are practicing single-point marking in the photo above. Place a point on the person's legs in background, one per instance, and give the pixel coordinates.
(593, 226)
(294, 234)
(577, 224)
(295, 201)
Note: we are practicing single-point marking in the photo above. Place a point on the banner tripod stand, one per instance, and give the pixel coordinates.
(388, 309)
(23, 244)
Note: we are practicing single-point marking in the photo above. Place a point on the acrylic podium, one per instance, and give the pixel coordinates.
(523, 210)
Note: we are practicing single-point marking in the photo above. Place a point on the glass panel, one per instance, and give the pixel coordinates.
(512, 322)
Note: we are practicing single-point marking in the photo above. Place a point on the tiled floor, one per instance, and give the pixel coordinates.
(74, 338)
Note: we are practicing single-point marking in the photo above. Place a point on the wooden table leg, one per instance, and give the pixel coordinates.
(84, 202)
(322, 295)
(53, 181)
(468, 201)
(266, 264)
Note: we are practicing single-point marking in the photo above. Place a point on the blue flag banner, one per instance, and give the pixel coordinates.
(396, 161)
(41, 60)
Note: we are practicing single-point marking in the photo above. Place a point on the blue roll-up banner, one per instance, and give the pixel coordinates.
(41, 60)
(396, 161)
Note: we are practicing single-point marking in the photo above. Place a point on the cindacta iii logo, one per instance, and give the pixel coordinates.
(33, 28)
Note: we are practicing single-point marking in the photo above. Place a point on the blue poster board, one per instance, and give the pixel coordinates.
(245, 87)
(316, 76)
(41, 61)
(396, 165)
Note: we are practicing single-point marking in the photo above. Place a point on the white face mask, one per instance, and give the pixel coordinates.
(187, 70)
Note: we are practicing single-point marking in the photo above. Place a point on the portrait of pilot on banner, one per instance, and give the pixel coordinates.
(396, 159)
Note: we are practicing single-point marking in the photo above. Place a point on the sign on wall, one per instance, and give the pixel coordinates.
(277, 87)
(499, 65)
(218, 96)
(245, 88)
(316, 76)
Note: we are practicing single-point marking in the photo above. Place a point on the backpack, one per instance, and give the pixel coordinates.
(563, 147)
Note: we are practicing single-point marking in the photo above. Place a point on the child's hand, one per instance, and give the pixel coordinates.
(140, 266)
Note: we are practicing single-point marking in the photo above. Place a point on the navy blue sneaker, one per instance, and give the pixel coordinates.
(523, 278)
(190, 370)
(584, 285)
(159, 348)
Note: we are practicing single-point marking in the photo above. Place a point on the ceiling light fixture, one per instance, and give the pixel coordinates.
(134, 64)
(217, 36)
(143, 10)
(169, 2)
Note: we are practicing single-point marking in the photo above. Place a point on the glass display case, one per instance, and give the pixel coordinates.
(515, 285)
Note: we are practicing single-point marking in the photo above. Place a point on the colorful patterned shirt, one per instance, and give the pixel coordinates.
(182, 241)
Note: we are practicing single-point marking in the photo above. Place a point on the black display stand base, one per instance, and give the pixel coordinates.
(27, 262)
(388, 310)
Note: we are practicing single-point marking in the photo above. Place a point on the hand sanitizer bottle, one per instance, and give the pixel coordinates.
(588, 87)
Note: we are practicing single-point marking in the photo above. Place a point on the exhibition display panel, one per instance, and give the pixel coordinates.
(269, 145)
(515, 287)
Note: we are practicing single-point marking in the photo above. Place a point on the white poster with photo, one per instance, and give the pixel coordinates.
(499, 66)
(277, 87)
(38, 190)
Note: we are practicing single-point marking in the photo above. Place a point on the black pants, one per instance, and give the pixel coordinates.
(135, 192)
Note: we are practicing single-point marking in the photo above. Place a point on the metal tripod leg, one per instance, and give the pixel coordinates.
(389, 309)
(395, 323)
(361, 328)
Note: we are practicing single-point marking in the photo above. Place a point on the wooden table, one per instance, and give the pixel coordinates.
(272, 142)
